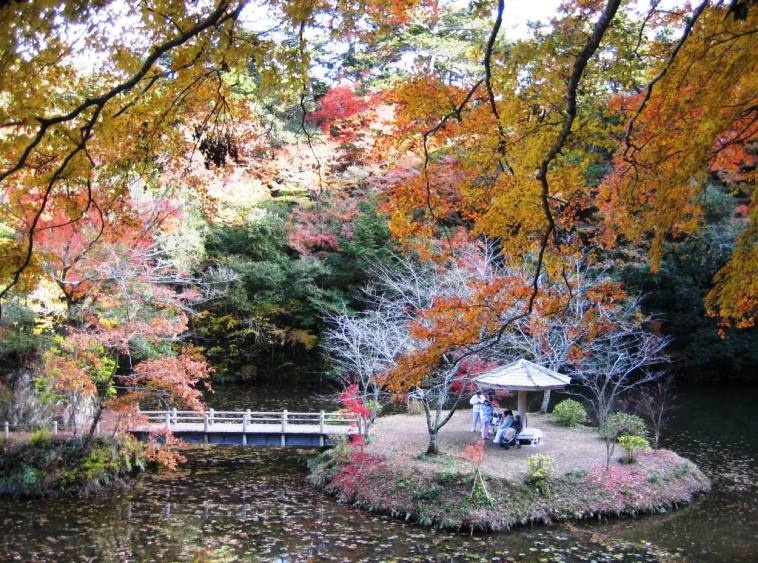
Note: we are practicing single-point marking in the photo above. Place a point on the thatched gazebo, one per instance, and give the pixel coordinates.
(523, 376)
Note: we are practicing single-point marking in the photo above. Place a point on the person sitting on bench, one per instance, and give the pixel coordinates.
(510, 436)
(505, 423)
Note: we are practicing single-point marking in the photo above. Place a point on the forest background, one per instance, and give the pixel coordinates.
(205, 190)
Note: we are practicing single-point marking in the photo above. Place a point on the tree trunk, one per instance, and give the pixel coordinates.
(432, 449)
(92, 428)
(609, 447)
(545, 402)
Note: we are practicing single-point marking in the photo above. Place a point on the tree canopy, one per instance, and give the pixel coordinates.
(599, 134)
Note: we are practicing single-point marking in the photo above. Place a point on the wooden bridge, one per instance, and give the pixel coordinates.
(255, 428)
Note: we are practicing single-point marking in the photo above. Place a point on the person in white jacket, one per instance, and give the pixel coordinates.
(476, 403)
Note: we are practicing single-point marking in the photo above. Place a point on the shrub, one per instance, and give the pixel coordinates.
(480, 496)
(633, 445)
(41, 437)
(569, 413)
(47, 466)
(447, 478)
(428, 494)
(577, 473)
(623, 424)
(541, 470)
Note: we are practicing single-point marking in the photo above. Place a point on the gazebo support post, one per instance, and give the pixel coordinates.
(522, 406)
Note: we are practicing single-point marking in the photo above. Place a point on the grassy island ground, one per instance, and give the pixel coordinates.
(391, 477)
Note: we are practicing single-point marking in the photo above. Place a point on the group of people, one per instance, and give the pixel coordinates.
(505, 425)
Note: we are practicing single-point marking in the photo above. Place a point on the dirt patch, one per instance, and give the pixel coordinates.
(403, 437)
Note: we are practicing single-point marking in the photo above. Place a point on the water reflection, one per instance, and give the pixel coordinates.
(237, 503)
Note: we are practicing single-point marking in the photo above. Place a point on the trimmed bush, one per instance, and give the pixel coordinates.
(633, 445)
(569, 413)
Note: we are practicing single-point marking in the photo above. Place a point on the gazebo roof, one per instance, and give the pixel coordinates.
(523, 375)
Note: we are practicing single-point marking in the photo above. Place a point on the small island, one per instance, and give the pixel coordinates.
(566, 479)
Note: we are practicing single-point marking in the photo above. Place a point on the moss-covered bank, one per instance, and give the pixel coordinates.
(51, 466)
(443, 497)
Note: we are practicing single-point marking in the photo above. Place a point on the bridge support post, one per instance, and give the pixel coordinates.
(210, 420)
(284, 427)
(174, 416)
(205, 428)
(168, 421)
(321, 421)
(245, 418)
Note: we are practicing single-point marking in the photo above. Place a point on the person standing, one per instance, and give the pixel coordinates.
(487, 411)
(476, 403)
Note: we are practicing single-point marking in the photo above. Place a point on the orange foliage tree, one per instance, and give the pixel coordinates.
(123, 340)
(515, 156)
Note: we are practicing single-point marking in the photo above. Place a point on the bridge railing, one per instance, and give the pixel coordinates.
(278, 420)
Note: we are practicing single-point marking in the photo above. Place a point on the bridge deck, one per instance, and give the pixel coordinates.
(230, 428)
(249, 427)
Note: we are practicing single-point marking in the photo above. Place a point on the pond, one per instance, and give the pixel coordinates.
(237, 503)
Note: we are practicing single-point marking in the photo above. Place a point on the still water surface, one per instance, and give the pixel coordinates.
(233, 503)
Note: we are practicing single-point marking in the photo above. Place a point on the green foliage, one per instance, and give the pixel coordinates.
(31, 476)
(447, 478)
(633, 445)
(569, 413)
(49, 466)
(402, 484)
(22, 333)
(675, 293)
(682, 470)
(479, 495)
(430, 493)
(41, 438)
(541, 468)
(623, 424)
(269, 318)
(577, 473)
(447, 50)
